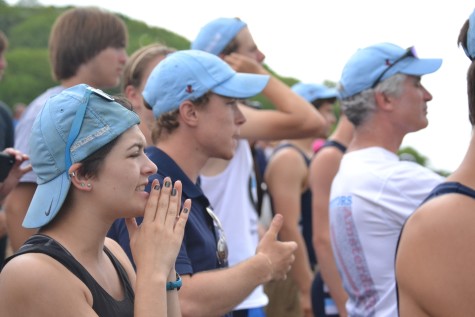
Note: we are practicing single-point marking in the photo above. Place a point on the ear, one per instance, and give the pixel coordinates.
(77, 180)
(134, 96)
(383, 101)
(189, 113)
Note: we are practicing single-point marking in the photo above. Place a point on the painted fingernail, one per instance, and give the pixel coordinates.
(167, 184)
(174, 192)
(156, 187)
(185, 210)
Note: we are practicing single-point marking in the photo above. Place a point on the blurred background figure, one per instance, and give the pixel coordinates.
(18, 110)
(328, 295)
(232, 185)
(136, 71)
(286, 177)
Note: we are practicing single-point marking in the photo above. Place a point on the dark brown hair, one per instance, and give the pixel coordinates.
(462, 41)
(79, 34)
(168, 121)
(317, 103)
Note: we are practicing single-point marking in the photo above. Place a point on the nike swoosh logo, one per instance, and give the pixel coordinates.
(47, 212)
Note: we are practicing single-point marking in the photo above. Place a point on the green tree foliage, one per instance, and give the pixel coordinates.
(410, 154)
(28, 75)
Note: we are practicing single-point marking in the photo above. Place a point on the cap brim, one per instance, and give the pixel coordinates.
(46, 202)
(330, 93)
(419, 67)
(242, 86)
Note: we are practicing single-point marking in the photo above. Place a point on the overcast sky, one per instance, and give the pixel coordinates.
(311, 40)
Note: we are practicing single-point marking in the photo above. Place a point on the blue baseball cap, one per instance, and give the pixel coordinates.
(373, 64)
(71, 126)
(214, 36)
(312, 92)
(189, 74)
(470, 50)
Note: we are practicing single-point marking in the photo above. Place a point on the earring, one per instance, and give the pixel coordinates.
(82, 184)
(72, 174)
(89, 185)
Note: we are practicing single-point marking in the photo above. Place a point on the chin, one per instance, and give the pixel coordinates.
(134, 210)
(225, 156)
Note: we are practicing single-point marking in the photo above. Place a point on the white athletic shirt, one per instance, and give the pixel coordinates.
(371, 196)
(228, 193)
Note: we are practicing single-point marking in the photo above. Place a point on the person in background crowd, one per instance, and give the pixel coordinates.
(328, 295)
(434, 260)
(86, 45)
(233, 186)
(136, 71)
(6, 141)
(14, 172)
(286, 176)
(18, 110)
(6, 124)
(374, 192)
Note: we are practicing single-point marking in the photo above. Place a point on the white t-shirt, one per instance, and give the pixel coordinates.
(228, 193)
(371, 196)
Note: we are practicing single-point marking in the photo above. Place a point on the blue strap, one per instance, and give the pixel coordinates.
(76, 127)
(470, 50)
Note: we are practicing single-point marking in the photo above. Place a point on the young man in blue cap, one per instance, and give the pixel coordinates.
(286, 177)
(194, 96)
(434, 262)
(229, 183)
(374, 192)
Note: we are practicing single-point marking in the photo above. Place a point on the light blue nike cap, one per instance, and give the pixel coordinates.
(71, 126)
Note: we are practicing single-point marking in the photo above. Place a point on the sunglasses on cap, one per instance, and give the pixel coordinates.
(410, 52)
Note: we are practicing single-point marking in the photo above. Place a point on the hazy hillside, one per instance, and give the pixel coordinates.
(27, 28)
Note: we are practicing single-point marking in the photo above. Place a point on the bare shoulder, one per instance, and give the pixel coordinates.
(35, 284)
(327, 156)
(441, 216)
(287, 153)
(325, 164)
(436, 248)
(286, 166)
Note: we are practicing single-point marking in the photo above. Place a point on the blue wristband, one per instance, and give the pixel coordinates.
(175, 285)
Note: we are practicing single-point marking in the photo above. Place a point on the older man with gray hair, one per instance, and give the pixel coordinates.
(374, 192)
